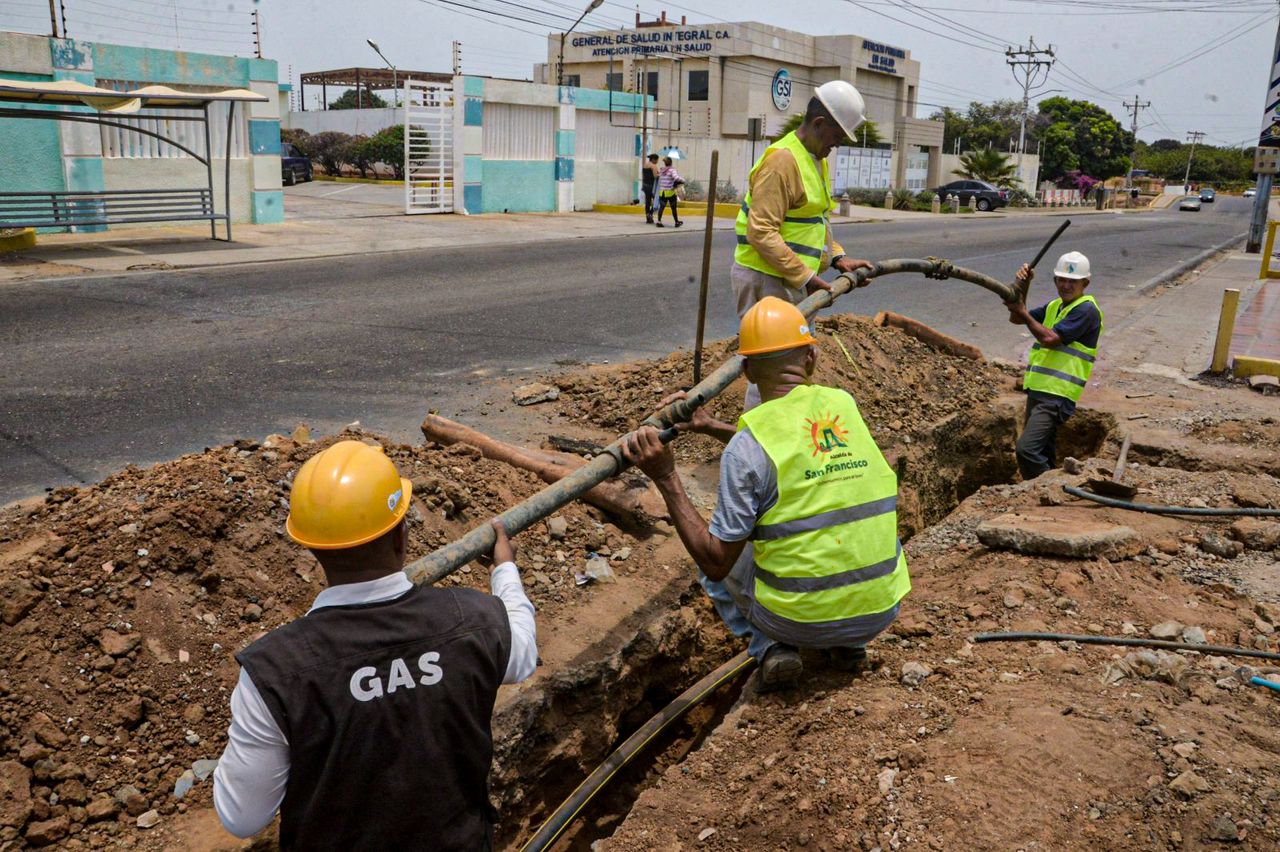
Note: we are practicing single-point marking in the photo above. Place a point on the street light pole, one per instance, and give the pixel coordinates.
(395, 81)
(592, 6)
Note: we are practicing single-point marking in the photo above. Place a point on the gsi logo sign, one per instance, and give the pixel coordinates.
(781, 90)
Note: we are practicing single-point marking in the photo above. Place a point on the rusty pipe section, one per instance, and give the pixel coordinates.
(442, 562)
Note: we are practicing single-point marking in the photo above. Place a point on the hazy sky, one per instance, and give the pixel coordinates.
(1203, 64)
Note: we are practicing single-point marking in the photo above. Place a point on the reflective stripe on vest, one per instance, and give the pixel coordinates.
(828, 550)
(1062, 370)
(804, 228)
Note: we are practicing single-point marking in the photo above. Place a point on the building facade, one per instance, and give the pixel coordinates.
(54, 156)
(729, 82)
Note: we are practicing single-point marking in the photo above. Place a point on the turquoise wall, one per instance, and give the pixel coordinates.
(519, 186)
(121, 62)
(30, 150)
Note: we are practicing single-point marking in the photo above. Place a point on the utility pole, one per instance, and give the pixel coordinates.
(1193, 136)
(457, 59)
(1136, 107)
(53, 18)
(257, 34)
(1027, 64)
(1269, 138)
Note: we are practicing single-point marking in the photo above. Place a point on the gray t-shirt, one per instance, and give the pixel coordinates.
(748, 488)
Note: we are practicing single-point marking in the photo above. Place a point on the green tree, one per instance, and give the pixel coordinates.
(387, 146)
(365, 100)
(868, 133)
(330, 150)
(991, 166)
(1095, 139)
(993, 125)
(297, 136)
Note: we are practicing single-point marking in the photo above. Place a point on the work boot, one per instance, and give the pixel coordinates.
(780, 668)
(848, 658)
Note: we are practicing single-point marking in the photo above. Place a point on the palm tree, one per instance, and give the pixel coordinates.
(867, 134)
(991, 166)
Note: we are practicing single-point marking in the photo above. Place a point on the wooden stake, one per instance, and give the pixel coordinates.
(706, 267)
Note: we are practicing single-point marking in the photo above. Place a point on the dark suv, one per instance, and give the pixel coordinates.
(294, 165)
(989, 197)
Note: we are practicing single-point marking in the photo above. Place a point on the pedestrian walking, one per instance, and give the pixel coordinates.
(669, 181)
(648, 180)
(1067, 331)
(366, 721)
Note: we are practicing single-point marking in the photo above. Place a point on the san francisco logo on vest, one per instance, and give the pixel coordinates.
(826, 434)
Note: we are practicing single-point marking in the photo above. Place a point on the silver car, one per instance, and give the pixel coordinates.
(1250, 192)
(1190, 202)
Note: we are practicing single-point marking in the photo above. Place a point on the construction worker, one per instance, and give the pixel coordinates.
(802, 550)
(1061, 360)
(366, 722)
(783, 228)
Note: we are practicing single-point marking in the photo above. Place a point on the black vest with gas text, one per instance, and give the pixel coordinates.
(386, 709)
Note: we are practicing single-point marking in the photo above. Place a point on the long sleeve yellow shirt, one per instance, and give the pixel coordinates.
(777, 187)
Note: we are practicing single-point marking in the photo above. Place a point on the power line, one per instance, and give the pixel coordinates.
(1025, 62)
(1137, 106)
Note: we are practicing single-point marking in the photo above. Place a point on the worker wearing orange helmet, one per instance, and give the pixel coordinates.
(366, 721)
(802, 550)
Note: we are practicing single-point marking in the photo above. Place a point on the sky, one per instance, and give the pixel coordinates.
(1203, 64)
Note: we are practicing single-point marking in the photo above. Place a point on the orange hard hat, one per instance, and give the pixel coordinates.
(772, 325)
(346, 495)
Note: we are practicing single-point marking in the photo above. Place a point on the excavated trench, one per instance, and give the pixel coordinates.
(550, 737)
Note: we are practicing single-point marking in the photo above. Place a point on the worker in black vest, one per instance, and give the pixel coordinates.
(366, 722)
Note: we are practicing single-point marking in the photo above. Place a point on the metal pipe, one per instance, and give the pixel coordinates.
(706, 266)
(1221, 650)
(226, 169)
(1170, 510)
(445, 560)
(208, 167)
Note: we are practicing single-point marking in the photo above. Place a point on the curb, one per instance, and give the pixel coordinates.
(23, 240)
(1186, 265)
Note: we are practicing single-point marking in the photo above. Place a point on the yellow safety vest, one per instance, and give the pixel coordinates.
(1062, 370)
(804, 229)
(828, 550)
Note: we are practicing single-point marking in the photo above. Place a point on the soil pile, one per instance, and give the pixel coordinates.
(124, 604)
(949, 745)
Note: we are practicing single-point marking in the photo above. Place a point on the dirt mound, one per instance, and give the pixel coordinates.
(124, 603)
(950, 745)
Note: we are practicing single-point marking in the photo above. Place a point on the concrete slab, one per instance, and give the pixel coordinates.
(1053, 535)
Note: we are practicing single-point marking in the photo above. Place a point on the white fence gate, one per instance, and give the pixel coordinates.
(428, 147)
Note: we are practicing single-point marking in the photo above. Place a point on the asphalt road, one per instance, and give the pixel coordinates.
(103, 372)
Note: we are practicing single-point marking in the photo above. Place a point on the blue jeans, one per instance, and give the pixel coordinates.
(759, 644)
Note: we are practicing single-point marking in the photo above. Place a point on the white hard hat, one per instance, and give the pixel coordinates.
(844, 103)
(1072, 265)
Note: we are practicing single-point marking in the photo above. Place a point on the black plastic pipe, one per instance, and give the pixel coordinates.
(623, 754)
(1224, 650)
(1170, 510)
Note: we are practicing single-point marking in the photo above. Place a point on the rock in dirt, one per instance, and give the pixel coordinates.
(103, 807)
(1170, 630)
(885, 780)
(534, 393)
(1220, 545)
(48, 831)
(17, 598)
(1223, 829)
(1188, 785)
(1250, 496)
(1050, 536)
(15, 794)
(557, 528)
(1194, 635)
(1253, 533)
(149, 819)
(130, 712)
(204, 768)
(46, 731)
(1073, 466)
(116, 644)
(915, 673)
(1148, 664)
(705, 833)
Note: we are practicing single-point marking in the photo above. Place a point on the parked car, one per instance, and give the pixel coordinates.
(1250, 192)
(989, 197)
(294, 165)
(1207, 194)
(1190, 202)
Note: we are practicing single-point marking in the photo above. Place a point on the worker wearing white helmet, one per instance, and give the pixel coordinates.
(1067, 331)
(784, 236)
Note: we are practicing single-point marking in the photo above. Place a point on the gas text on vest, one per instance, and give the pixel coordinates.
(366, 683)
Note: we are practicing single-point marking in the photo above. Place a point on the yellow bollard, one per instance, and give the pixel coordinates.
(1226, 326)
(1267, 248)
